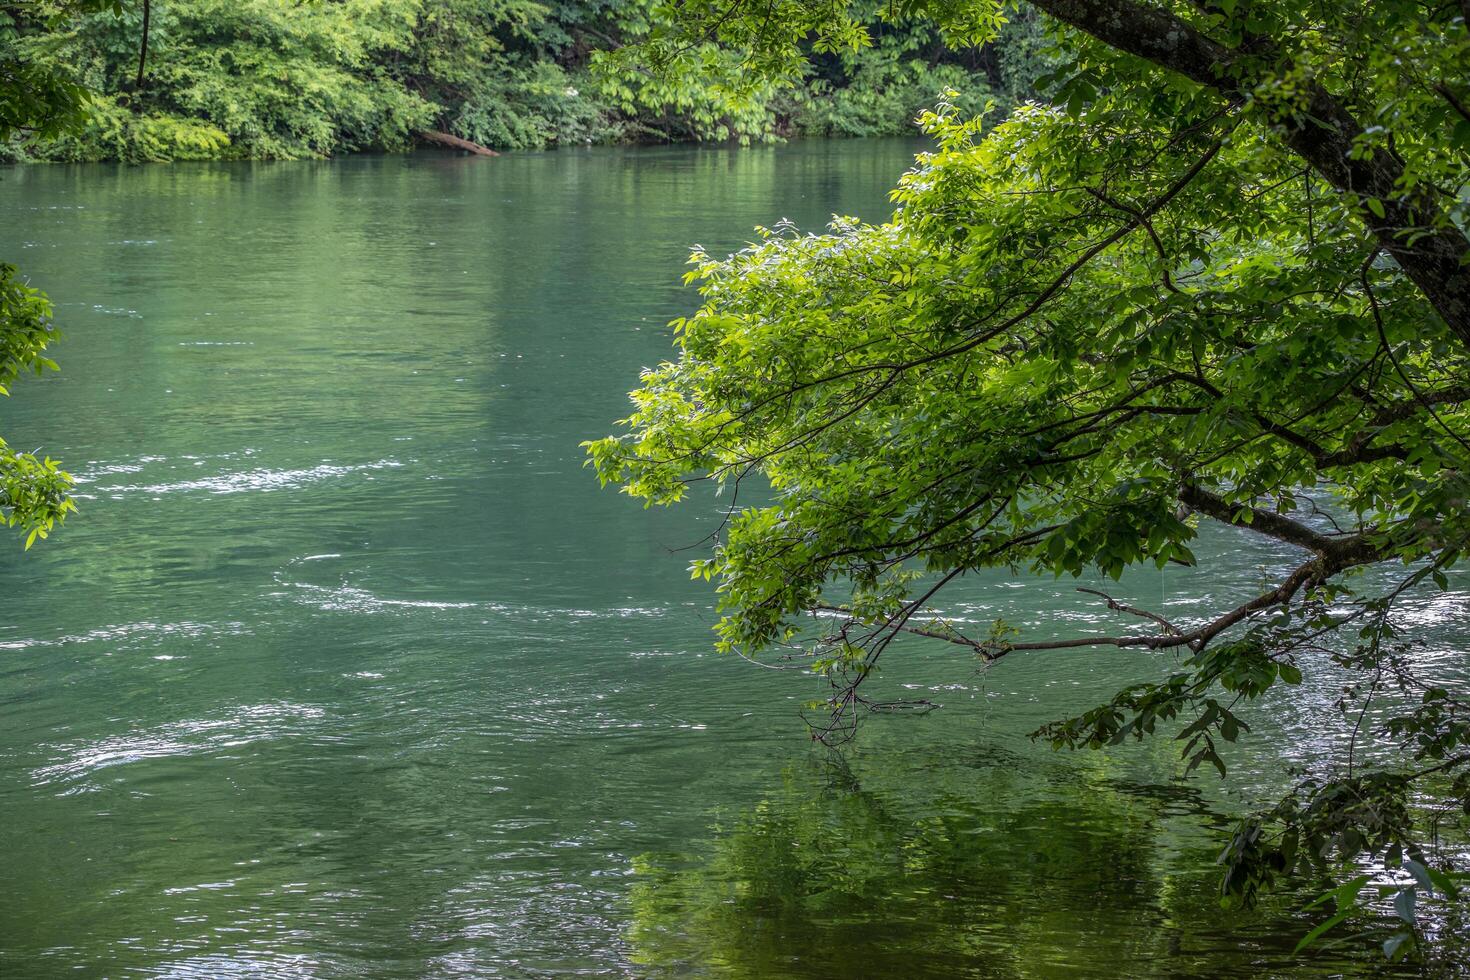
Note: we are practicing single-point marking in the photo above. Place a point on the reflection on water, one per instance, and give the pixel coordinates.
(1002, 870)
(348, 668)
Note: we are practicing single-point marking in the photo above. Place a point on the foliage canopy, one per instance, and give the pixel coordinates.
(1219, 275)
(36, 101)
(298, 78)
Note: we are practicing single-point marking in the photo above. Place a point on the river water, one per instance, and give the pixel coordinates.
(346, 667)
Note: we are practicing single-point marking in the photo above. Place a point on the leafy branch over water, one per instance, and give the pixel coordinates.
(36, 102)
(1222, 277)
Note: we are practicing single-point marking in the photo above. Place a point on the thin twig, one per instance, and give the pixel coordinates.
(1117, 606)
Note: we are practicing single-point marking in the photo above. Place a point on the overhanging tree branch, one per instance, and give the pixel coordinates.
(1410, 227)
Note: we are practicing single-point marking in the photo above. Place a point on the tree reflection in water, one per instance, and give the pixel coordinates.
(1067, 874)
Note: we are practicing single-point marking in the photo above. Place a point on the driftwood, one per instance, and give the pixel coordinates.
(446, 139)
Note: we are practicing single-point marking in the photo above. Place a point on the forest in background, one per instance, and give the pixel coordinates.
(282, 79)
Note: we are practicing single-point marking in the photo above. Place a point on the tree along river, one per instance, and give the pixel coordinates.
(347, 667)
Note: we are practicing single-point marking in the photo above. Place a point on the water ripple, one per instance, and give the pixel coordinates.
(154, 632)
(240, 726)
(252, 481)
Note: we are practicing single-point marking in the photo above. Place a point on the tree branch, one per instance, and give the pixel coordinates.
(1315, 571)
(1117, 606)
(1265, 522)
(949, 637)
(143, 45)
(1325, 135)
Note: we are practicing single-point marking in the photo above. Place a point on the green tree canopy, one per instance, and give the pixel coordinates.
(300, 78)
(37, 101)
(1219, 276)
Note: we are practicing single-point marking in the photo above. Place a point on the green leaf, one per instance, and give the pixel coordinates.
(1420, 874)
(1442, 883)
(1397, 946)
(1404, 902)
(1323, 928)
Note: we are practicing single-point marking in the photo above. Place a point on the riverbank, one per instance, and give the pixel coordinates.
(274, 80)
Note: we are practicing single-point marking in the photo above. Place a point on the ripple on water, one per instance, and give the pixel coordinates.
(261, 480)
(247, 963)
(347, 598)
(1438, 609)
(130, 636)
(236, 727)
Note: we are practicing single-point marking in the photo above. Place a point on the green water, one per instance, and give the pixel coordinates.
(347, 668)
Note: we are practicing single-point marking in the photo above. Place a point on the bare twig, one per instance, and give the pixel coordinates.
(948, 635)
(1117, 606)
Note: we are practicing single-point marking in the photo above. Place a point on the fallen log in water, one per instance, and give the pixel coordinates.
(448, 139)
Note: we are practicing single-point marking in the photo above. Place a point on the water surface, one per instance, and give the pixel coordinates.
(347, 668)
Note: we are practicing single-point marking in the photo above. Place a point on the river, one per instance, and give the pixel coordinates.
(346, 667)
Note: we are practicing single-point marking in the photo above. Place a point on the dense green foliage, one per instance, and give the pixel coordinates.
(36, 102)
(294, 78)
(33, 491)
(1222, 278)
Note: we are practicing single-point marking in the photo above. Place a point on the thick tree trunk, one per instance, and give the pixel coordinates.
(1322, 136)
(143, 45)
(448, 139)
